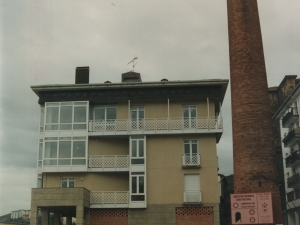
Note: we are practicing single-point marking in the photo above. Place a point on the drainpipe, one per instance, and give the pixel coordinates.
(208, 119)
(129, 117)
(168, 114)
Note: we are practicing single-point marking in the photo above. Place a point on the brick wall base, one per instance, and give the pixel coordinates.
(194, 216)
(109, 217)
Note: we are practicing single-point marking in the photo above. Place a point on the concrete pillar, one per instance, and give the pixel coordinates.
(87, 217)
(253, 149)
(34, 215)
(68, 219)
(56, 218)
(45, 217)
(79, 215)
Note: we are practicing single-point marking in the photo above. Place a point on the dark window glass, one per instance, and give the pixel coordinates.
(66, 114)
(78, 149)
(137, 197)
(134, 184)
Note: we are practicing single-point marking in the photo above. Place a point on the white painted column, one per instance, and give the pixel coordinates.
(168, 114)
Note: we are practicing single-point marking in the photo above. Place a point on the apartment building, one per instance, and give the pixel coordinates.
(288, 93)
(128, 153)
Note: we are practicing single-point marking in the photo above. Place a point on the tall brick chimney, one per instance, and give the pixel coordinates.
(253, 151)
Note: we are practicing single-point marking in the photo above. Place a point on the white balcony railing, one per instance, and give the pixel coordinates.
(156, 124)
(109, 161)
(109, 198)
(192, 196)
(191, 159)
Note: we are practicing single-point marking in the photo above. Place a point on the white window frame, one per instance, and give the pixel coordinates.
(189, 122)
(137, 123)
(138, 193)
(73, 125)
(71, 158)
(190, 158)
(137, 156)
(68, 180)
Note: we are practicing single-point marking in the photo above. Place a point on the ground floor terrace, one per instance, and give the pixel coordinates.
(70, 206)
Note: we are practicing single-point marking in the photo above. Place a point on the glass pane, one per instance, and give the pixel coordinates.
(133, 148)
(64, 162)
(71, 183)
(78, 162)
(80, 103)
(133, 184)
(66, 114)
(185, 112)
(50, 162)
(137, 197)
(64, 183)
(64, 149)
(141, 115)
(50, 150)
(52, 115)
(141, 184)
(51, 127)
(186, 148)
(99, 114)
(79, 149)
(133, 115)
(194, 148)
(141, 148)
(40, 182)
(66, 103)
(193, 112)
(80, 114)
(40, 163)
(137, 161)
(66, 127)
(111, 113)
(40, 151)
(42, 117)
(79, 126)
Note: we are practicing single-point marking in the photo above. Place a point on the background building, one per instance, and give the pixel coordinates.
(288, 95)
(129, 153)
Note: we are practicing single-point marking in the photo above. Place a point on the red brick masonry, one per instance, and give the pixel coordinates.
(194, 216)
(109, 217)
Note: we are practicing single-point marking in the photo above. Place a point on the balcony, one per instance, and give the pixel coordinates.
(291, 159)
(192, 197)
(290, 118)
(293, 180)
(109, 163)
(291, 138)
(156, 126)
(109, 199)
(191, 160)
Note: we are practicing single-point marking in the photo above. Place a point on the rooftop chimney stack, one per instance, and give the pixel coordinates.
(82, 75)
(253, 149)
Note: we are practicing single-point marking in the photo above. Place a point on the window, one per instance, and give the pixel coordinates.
(105, 117)
(40, 181)
(67, 182)
(192, 192)
(137, 117)
(137, 150)
(40, 157)
(65, 151)
(137, 186)
(66, 116)
(191, 156)
(290, 196)
(189, 116)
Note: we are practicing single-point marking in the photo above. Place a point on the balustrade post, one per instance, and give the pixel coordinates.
(115, 161)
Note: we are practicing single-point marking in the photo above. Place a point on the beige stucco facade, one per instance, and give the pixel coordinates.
(137, 165)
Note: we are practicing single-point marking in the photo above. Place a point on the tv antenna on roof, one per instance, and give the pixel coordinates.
(133, 64)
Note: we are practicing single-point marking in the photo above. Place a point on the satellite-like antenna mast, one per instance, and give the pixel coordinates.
(133, 64)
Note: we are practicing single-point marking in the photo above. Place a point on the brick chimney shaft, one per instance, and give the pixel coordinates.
(253, 151)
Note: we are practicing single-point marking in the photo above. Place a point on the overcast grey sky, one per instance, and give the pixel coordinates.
(42, 42)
